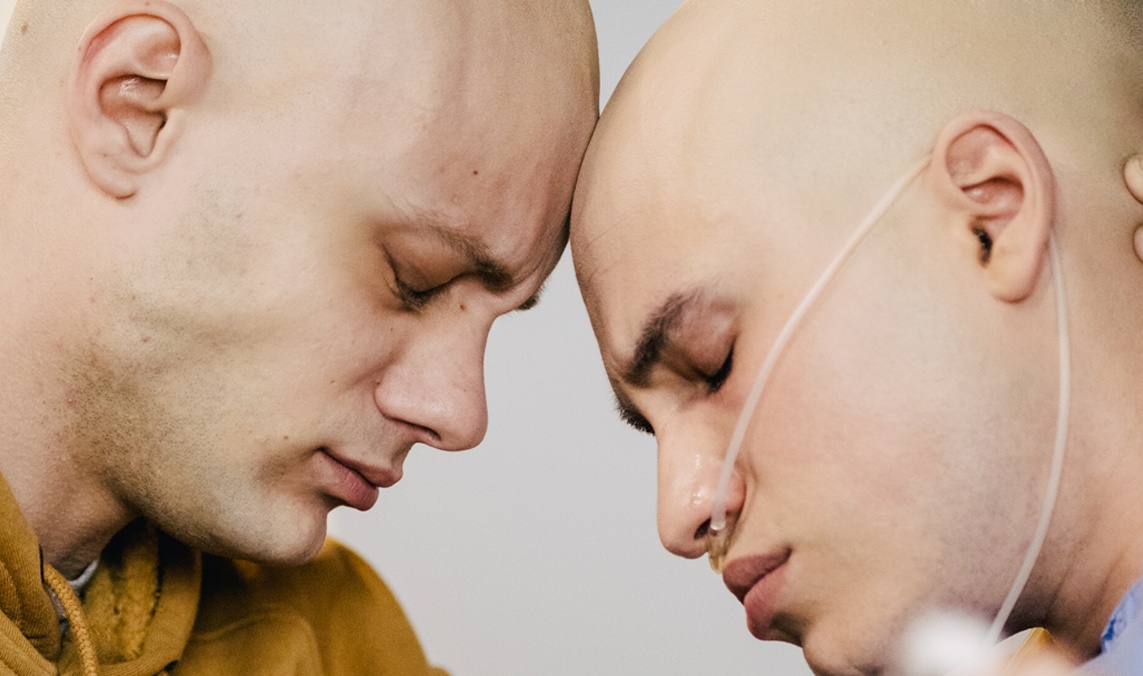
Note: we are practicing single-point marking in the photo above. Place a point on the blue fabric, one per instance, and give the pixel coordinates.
(1122, 643)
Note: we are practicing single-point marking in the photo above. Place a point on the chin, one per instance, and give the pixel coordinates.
(287, 539)
(837, 656)
(288, 553)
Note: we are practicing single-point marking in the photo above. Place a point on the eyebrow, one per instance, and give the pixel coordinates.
(655, 335)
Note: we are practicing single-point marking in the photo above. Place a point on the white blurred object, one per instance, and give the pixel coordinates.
(955, 644)
(940, 644)
(6, 7)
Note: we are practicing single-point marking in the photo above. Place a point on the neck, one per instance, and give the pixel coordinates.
(1103, 571)
(68, 505)
(1098, 554)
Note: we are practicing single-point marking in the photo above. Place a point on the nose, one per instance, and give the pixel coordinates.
(436, 387)
(688, 482)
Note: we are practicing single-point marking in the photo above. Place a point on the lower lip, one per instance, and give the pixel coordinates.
(352, 488)
(761, 602)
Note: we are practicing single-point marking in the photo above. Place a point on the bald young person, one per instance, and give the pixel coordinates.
(898, 458)
(250, 253)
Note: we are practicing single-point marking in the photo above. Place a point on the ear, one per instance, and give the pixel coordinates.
(1133, 178)
(993, 174)
(138, 67)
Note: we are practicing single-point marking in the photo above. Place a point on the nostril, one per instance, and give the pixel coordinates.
(428, 435)
(702, 531)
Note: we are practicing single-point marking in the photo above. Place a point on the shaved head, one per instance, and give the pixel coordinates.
(897, 461)
(269, 55)
(729, 89)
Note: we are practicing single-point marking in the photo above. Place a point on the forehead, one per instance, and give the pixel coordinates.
(439, 116)
(667, 206)
(641, 240)
(722, 161)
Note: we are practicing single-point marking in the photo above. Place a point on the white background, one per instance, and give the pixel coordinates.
(537, 553)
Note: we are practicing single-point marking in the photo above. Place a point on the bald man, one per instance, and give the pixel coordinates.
(250, 253)
(898, 460)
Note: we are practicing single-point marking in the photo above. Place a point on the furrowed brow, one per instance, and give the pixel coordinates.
(492, 273)
(495, 275)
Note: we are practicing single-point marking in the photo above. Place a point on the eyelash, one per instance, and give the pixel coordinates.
(414, 300)
(715, 382)
(638, 422)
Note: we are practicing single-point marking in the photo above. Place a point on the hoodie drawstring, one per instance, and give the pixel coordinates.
(73, 610)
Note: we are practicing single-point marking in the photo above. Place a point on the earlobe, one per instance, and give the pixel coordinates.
(138, 67)
(993, 174)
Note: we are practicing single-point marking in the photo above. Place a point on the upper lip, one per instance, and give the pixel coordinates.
(380, 477)
(742, 574)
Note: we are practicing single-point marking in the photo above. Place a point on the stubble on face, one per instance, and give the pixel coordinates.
(133, 442)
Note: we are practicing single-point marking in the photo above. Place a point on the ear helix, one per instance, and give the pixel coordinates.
(138, 66)
(1133, 177)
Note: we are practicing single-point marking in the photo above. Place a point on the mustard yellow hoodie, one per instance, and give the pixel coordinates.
(156, 606)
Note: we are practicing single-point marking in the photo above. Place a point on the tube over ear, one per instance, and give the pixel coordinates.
(139, 65)
(993, 173)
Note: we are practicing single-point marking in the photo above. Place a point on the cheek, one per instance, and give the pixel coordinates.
(891, 452)
(857, 420)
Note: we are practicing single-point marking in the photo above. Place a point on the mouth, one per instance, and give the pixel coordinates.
(358, 484)
(756, 582)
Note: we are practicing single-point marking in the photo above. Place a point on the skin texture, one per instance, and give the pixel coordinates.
(900, 453)
(243, 240)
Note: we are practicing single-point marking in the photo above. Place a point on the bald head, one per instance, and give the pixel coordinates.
(269, 55)
(809, 111)
(517, 75)
(897, 458)
(824, 90)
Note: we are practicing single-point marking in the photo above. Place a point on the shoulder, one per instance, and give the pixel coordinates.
(334, 612)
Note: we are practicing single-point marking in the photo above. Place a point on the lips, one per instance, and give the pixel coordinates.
(357, 484)
(756, 581)
(380, 477)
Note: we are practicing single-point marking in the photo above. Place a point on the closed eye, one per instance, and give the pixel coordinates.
(630, 414)
(715, 381)
(636, 420)
(413, 299)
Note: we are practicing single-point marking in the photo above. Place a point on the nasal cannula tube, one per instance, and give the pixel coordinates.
(719, 535)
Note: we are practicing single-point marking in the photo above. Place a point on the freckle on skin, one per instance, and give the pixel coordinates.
(24, 28)
(146, 339)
